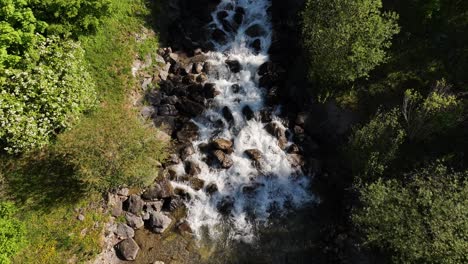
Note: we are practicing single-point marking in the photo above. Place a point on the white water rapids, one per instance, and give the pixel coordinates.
(279, 187)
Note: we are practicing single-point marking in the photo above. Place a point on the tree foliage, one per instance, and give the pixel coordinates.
(423, 221)
(12, 232)
(45, 97)
(346, 38)
(439, 111)
(372, 147)
(71, 17)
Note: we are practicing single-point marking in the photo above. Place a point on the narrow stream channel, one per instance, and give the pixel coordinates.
(248, 193)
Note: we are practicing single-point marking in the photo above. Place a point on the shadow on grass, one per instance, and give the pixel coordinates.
(41, 181)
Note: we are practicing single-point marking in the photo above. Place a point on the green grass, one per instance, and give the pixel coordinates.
(49, 189)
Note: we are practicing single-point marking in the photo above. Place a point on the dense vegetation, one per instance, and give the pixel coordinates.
(65, 84)
(407, 157)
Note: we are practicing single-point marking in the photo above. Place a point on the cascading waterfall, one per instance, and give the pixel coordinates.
(277, 186)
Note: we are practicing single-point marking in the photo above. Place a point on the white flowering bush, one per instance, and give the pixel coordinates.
(45, 97)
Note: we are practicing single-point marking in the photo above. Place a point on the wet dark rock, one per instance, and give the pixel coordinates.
(278, 132)
(225, 205)
(184, 228)
(223, 159)
(127, 249)
(266, 115)
(173, 204)
(159, 222)
(248, 113)
(296, 160)
(190, 107)
(293, 149)
(239, 15)
(171, 100)
(202, 78)
(234, 65)
(160, 190)
(134, 204)
(227, 114)
(210, 90)
(227, 26)
(211, 188)
(186, 151)
(197, 68)
(154, 97)
(222, 144)
(255, 30)
(191, 168)
(301, 118)
(207, 67)
(173, 159)
(123, 231)
(298, 130)
(254, 154)
(236, 88)
(189, 79)
(219, 36)
(134, 221)
(188, 133)
(166, 123)
(222, 14)
(196, 183)
(256, 45)
(167, 110)
(273, 96)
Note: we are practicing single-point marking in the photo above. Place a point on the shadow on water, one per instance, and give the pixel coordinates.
(41, 181)
(289, 239)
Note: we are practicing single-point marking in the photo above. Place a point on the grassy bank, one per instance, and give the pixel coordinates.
(50, 191)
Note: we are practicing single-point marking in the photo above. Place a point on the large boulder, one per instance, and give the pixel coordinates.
(134, 221)
(190, 107)
(278, 132)
(188, 133)
(210, 90)
(128, 249)
(196, 183)
(134, 204)
(247, 112)
(255, 30)
(167, 110)
(223, 159)
(254, 154)
(227, 114)
(234, 65)
(191, 168)
(159, 222)
(160, 190)
(222, 144)
(123, 231)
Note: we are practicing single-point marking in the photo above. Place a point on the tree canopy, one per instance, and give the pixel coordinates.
(346, 39)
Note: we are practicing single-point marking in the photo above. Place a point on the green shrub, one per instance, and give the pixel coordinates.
(346, 38)
(113, 148)
(372, 147)
(424, 221)
(71, 17)
(11, 233)
(18, 26)
(436, 113)
(48, 96)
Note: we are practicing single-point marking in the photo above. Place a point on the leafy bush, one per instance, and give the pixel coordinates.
(436, 113)
(372, 147)
(112, 148)
(11, 232)
(18, 26)
(75, 17)
(46, 97)
(346, 38)
(424, 221)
